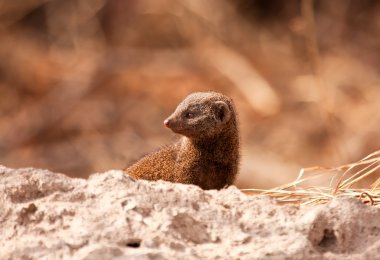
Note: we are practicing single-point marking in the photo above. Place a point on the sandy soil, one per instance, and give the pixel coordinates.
(45, 215)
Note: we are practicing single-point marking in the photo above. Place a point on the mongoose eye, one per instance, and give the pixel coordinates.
(189, 115)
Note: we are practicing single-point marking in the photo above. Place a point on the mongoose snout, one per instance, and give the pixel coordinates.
(207, 155)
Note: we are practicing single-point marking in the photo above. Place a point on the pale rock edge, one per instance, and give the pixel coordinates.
(45, 215)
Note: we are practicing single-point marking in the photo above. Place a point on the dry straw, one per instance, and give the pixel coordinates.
(343, 180)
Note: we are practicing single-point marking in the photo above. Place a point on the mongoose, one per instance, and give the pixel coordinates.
(207, 154)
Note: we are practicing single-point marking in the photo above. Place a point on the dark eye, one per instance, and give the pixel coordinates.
(189, 115)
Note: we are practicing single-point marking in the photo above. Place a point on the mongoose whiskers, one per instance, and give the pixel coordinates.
(207, 155)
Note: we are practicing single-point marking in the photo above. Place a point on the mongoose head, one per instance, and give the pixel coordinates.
(201, 115)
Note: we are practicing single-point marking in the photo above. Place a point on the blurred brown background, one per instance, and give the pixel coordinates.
(86, 85)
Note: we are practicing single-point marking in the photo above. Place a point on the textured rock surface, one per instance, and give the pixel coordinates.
(45, 215)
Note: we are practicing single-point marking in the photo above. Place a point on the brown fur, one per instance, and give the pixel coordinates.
(208, 153)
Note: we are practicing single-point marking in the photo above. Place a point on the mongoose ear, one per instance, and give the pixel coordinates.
(222, 111)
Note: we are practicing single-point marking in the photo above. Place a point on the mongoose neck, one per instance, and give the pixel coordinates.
(222, 147)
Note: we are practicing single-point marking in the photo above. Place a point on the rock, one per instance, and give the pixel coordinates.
(45, 215)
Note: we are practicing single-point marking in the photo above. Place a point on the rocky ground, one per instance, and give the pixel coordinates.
(45, 215)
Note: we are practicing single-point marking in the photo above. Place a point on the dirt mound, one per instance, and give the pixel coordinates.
(45, 215)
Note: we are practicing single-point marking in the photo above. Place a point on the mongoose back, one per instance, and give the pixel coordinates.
(207, 154)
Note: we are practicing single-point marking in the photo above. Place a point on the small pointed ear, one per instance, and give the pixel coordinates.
(222, 111)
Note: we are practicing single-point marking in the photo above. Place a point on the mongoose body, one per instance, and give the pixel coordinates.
(207, 154)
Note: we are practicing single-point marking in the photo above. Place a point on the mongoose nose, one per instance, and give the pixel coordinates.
(166, 122)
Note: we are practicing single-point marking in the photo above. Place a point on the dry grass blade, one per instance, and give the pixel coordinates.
(349, 176)
(376, 185)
